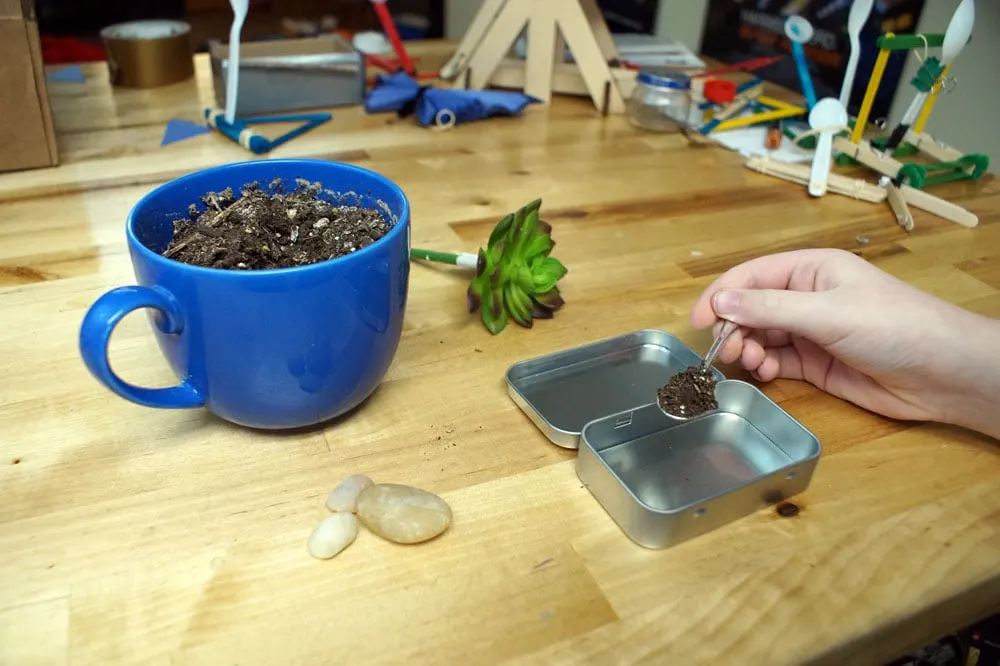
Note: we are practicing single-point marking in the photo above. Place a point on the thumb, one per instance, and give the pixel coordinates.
(808, 314)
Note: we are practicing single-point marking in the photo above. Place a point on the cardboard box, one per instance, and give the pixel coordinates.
(27, 134)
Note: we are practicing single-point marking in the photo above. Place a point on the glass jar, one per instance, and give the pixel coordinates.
(660, 102)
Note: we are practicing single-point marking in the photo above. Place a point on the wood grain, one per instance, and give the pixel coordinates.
(132, 535)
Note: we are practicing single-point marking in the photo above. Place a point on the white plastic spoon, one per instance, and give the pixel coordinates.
(860, 11)
(955, 38)
(240, 10)
(828, 117)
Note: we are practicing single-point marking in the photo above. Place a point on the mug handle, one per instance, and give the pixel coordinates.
(95, 332)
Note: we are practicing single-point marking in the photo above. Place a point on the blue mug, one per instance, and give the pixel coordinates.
(271, 349)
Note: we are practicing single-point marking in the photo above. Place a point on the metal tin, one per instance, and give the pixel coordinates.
(561, 392)
(291, 74)
(664, 481)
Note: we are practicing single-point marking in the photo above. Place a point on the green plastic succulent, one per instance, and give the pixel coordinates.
(515, 275)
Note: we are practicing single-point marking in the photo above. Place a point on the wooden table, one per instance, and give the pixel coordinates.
(131, 535)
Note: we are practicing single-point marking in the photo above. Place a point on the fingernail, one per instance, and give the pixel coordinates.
(726, 302)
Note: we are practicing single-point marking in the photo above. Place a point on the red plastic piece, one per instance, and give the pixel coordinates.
(389, 26)
(719, 91)
(745, 66)
(64, 50)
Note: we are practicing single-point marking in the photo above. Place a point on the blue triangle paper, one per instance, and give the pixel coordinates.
(178, 130)
(71, 74)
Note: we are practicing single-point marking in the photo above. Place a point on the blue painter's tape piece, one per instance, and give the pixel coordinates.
(804, 78)
(178, 130)
(71, 74)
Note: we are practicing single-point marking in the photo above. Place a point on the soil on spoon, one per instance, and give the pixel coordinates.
(267, 227)
(689, 393)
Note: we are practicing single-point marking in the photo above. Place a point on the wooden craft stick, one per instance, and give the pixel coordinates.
(898, 205)
(775, 103)
(599, 26)
(566, 80)
(871, 158)
(588, 54)
(541, 58)
(766, 116)
(799, 173)
(481, 24)
(937, 206)
(500, 37)
(738, 104)
(927, 144)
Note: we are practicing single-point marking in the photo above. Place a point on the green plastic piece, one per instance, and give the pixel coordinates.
(909, 42)
(967, 167)
(913, 175)
(927, 75)
(843, 159)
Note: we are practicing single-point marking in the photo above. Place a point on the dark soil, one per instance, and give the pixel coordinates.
(689, 393)
(271, 228)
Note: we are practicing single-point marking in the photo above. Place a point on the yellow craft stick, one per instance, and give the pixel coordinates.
(925, 113)
(878, 71)
(765, 116)
(778, 104)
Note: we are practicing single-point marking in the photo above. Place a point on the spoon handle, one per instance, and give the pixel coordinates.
(727, 329)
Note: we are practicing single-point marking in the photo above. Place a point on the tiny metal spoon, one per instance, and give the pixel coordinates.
(727, 329)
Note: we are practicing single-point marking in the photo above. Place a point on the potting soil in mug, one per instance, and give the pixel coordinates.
(269, 228)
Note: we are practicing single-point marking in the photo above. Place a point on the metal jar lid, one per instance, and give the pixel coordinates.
(664, 78)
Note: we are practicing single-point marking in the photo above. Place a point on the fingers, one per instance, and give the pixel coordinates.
(774, 271)
(813, 315)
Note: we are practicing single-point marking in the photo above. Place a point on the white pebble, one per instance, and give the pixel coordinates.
(291, 212)
(344, 497)
(403, 514)
(320, 223)
(332, 535)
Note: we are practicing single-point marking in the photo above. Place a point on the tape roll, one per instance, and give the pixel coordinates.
(148, 54)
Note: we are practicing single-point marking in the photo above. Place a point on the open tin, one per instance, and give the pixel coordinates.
(663, 480)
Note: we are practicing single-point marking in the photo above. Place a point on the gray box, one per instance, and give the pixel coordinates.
(291, 74)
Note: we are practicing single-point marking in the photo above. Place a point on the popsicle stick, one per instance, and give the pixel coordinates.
(927, 144)
(738, 104)
(937, 206)
(502, 33)
(799, 174)
(586, 48)
(599, 26)
(481, 24)
(932, 99)
(766, 116)
(540, 61)
(778, 104)
(871, 158)
(899, 208)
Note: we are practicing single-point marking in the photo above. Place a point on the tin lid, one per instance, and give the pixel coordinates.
(564, 391)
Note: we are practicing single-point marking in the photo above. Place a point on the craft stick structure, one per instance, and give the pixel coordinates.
(950, 164)
(901, 183)
(551, 25)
